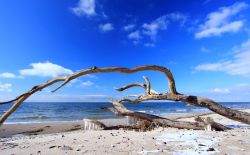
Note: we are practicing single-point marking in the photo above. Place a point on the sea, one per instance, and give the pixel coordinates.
(35, 112)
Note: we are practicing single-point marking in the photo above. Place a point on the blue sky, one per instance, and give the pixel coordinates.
(206, 44)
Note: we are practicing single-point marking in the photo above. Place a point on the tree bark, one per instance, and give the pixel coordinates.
(236, 115)
(149, 121)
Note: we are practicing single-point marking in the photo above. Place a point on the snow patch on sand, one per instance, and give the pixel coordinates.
(195, 142)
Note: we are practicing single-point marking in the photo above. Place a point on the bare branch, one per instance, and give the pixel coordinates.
(67, 80)
(236, 115)
(148, 85)
(19, 100)
(172, 87)
(131, 85)
(173, 95)
(130, 101)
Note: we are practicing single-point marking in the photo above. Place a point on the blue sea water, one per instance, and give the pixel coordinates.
(69, 111)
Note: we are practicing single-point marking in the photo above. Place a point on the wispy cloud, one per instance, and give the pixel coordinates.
(151, 29)
(129, 27)
(45, 97)
(204, 49)
(85, 7)
(86, 84)
(7, 75)
(236, 93)
(46, 69)
(135, 35)
(220, 21)
(220, 90)
(106, 27)
(6, 87)
(178, 17)
(237, 65)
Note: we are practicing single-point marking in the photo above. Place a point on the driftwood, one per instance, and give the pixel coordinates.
(149, 122)
(173, 95)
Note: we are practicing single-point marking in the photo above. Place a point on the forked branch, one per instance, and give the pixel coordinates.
(66, 79)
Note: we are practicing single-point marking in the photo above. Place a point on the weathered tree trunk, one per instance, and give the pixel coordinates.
(236, 115)
(149, 121)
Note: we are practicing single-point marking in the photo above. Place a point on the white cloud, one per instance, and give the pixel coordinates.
(5, 87)
(91, 76)
(51, 97)
(106, 27)
(220, 22)
(94, 96)
(238, 65)
(86, 84)
(85, 7)
(46, 69)
(235, 93)
(129, 27)
(135, 35)
(151, 29)
(176, 16)
(7, 75)
(220, 90)
(161, 23)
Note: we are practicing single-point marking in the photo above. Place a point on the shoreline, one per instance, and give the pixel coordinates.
(51, 127)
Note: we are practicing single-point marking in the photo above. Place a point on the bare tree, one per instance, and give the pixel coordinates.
(150, 94)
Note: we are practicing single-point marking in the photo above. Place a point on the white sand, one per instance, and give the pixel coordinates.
(158, 141)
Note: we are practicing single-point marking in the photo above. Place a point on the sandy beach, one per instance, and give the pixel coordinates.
(70, 138)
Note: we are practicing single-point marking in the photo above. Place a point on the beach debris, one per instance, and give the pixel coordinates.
(91, 124)
(53, 146)
(65, 147)
(201, 144)
(8, 145)
(211, 149)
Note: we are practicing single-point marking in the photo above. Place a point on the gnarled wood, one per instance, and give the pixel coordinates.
(66, 79)
(173, 95)
(152, 121)
(236, 115)
(146, 86)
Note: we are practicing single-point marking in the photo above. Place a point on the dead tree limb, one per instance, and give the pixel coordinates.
(173, 95)
(149, 121)
(236, 115)
(146, 86)
(66, 79)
